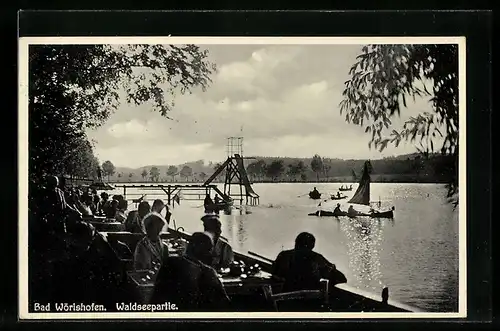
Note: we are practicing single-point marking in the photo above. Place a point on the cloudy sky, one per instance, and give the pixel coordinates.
(283, 99)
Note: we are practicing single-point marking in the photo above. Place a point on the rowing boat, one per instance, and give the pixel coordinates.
(216, 207)
(315, 195)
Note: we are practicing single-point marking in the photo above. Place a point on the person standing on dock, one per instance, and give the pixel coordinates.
(208, 203)
(301, 268)
(222, 253)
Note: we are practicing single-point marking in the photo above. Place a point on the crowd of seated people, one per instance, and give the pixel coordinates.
(66, 262)
(189, 279)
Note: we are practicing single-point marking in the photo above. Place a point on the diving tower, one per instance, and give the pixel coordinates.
(235, 174)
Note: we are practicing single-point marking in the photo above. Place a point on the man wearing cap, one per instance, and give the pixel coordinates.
(222, 253)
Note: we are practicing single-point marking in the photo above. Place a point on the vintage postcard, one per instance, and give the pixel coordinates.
(247, 177)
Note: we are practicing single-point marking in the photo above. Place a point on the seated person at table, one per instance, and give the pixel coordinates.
(111, 208)
(134, 219)
(222, 253)
(158, 206)
(76, 201)
(151, 249)
(121, 212)
(189, 282)
(301, 268)
(103, 203)
(88, 204)
(95, 202)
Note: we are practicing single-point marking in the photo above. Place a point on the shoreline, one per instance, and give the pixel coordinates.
(279, 182)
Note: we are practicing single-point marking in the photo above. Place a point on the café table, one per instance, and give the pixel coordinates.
(103, 224)
(234, 285)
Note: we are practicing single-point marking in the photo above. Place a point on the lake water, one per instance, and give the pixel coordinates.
(415, 255)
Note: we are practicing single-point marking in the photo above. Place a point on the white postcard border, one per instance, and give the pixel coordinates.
(24, 43)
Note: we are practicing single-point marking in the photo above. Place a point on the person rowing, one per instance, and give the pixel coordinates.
(315, 193)
(351, 211)
(337, 209)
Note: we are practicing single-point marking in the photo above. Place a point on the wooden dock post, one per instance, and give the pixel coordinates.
(385, 295)
(168, 195)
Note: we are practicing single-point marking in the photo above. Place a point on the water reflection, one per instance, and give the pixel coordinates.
(241, 234)
(229, 228)
(364, 239)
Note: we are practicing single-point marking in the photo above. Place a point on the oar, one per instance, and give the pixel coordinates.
(299, 196)
(261, 257)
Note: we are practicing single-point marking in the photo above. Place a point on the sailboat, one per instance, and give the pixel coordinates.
(360, 201)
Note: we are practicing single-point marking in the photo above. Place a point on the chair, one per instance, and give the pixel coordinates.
(304, 295)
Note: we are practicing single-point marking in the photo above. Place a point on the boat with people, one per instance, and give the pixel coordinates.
(342, 188)
(338, 197)
(360, 199)
(217, 205)
(224, 205)
(322, 213)
(314, 194)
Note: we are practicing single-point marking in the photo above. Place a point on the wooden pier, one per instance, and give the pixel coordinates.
(189, 192)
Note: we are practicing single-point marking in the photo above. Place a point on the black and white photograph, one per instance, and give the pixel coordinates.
(242, 177)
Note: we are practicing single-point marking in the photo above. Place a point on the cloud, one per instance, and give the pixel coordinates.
(286, 98)
(255, 75)
(124, 129)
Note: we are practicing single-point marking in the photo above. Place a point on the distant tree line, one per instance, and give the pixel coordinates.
(408, 168)
(432, 168)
